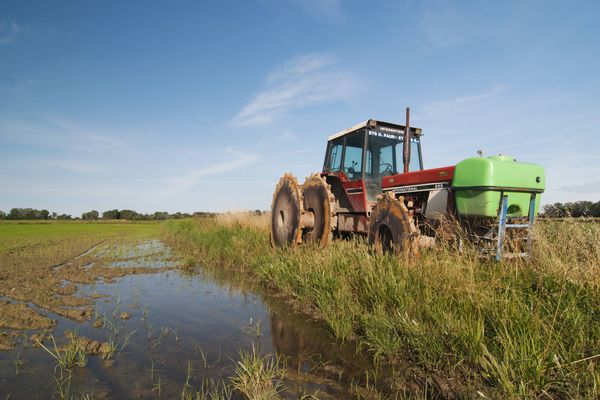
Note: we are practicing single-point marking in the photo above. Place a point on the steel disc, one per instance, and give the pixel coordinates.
(391, 228)
(286, 211)
(318, 202)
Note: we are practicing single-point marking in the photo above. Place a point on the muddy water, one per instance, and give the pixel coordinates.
(174, 325)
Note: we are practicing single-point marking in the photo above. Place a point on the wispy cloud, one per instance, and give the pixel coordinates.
(459, 105)
(441, 26)
(73, 166)
(587, 187)
(234, 160)
(301, 82)
(56, 132)
(8, 32)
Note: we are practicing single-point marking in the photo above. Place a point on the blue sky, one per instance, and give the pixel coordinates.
(202, 105)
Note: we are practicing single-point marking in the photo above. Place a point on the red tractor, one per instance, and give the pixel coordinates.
(373, 183)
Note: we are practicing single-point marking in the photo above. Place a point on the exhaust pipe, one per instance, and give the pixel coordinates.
(406, 147)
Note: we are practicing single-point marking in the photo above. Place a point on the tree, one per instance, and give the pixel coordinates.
(27, 213)
(128, 215)
(572, 209)
(20, 213)
(553, 210)
(111, 214)
(90, 215)
(2, 215)
(582, 209)
(160, 215)
(595, 209)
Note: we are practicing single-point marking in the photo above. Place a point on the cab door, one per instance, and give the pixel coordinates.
(353, 169)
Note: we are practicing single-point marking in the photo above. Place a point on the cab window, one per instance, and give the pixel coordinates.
(354, 154)
(335, 155)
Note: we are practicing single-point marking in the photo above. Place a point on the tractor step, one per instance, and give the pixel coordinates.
(503, 225)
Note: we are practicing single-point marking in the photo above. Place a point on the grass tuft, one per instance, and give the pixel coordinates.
(258, 377)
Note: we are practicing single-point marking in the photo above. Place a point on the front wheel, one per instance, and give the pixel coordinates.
(391, 228)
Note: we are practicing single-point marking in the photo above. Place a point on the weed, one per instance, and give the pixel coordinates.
(70, 355)
(157, 387)
(126, 340)
(164, 332)
(107, 355)
(203, 356)
(209, 390)
(253, 329)
(258, 377)
(19, 364)
(63, 385)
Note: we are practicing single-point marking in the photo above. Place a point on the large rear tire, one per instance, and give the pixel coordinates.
(318, 207)
(391, 227)
(286, 212)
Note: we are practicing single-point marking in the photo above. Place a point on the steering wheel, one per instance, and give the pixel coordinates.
(389, 169)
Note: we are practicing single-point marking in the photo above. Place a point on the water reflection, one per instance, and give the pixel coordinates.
(178, 322)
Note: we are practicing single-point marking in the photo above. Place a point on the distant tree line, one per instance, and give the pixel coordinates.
(130, 215)
(576, 209)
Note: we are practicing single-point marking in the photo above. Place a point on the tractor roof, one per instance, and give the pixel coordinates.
(384, 126)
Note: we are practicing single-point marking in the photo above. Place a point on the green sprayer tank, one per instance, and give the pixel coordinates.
(479, 182)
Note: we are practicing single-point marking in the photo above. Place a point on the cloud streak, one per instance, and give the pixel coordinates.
(235, 161)
(60, 133)
(459, 105)
(587, 187)
(302, 82)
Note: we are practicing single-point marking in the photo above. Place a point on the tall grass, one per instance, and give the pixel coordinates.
(506, 329)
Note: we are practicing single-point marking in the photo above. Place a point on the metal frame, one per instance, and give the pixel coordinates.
(420, 153)
(502, 226)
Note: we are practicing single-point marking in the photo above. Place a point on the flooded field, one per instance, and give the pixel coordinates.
(156, 327)
(205, 309)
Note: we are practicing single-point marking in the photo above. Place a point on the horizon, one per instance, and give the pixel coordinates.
(202, 107)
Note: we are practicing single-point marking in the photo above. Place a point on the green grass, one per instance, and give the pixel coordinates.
(510, 329)
(26, 233)
(257, 376)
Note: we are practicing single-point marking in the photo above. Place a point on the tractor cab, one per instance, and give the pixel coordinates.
(361, 156)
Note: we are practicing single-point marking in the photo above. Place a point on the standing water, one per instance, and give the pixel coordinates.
(174, 331)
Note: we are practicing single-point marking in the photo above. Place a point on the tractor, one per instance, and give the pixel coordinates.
(373, 183)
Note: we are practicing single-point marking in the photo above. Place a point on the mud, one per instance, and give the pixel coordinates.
(40, 278)
(87, 345)
(21, 316)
